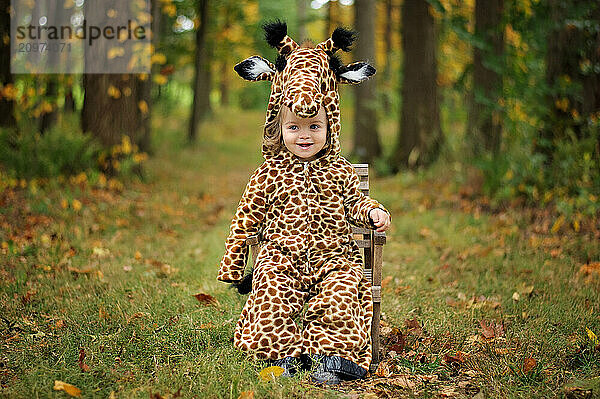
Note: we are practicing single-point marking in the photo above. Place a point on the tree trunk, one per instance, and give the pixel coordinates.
(301, 9)
(201, 101)
(388, 48)
(484, 126)
(570, 48)
(7, 105)
(145, 86)
(366, 138)
(110, 104)
(420, 136)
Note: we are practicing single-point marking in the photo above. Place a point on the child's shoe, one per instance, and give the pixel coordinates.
(289, 364)
(331, 370)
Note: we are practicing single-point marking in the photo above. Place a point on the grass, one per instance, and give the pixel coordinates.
(102, 297)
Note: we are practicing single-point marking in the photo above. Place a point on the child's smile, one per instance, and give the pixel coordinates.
(304, 137)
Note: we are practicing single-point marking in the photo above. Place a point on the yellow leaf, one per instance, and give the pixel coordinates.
(64, 204)
(113, 92)
(76, 205)
(593, 338)
(138, 255)
(143, 106)
(556, 226)
(246, 395)
(159, 79)
(115, 52)
(158, 58)
(271, 373)
(68, 388)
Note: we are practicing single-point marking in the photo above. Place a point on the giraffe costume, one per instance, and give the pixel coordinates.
(308, 267)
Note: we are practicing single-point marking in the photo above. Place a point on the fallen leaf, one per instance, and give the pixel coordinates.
(491, 329)
(516, 296)
(402, 381)
(528, 365)
(85, 270)
(458, 358)
(396, 340)
(414, 327)
(68, 388)
(383, 370)
(100, 252)
(271, 373)
(82, 365)
(207, 300)
(246, 395)
(138, 255)
(386, 281)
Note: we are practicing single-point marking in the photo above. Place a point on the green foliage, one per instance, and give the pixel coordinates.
(254, 96)
(59, 151)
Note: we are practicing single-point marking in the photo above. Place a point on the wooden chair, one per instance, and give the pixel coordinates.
(371, 244)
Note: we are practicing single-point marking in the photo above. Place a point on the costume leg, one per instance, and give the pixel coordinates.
(266, 327)
(338, 318)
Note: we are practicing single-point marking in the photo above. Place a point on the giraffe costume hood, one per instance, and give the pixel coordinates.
(302, 211)
(304, 78)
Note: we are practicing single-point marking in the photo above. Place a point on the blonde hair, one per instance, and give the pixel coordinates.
(273, 138)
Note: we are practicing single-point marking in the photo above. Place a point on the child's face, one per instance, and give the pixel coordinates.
(304, 137)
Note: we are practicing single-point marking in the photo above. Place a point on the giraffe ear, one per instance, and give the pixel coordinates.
(354, 73)
(255, 68)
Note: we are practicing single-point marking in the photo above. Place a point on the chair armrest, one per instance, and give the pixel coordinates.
(379, 237)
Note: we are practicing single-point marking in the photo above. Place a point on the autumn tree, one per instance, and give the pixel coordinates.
(484, 127)
(420, 136)
(112, 104)
(7, 118)
(366, 138)
(202, 77)
(573, 76)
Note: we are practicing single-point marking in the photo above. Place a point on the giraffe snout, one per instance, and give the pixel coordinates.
(306, 106)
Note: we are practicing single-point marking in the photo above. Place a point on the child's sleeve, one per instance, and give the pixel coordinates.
(358, 205)
(247, 220)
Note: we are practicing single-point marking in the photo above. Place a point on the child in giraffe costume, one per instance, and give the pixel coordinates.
(302, 200)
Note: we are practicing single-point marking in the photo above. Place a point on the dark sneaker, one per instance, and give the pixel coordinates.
(289, 364)
(331, 370)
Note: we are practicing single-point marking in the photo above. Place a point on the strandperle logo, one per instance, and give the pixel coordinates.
(84, 32)
(80, 36)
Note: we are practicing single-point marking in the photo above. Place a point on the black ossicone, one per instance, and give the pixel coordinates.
(343, 38)
(275, 32)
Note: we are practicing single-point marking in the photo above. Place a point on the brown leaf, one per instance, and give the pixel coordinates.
(82, 365)
(414, 327)
(246, 395)
(386, 281)
(207, 300)
(85, 270)
(396, 340)
(458, 358)
(491, 329)
(402, 381)
(529, 364)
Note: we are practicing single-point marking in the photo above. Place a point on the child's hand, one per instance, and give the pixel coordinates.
(380, 219)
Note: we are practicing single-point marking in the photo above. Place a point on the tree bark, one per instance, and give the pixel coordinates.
(366, 138)
(110, 105)
(7, 105)
(420, 136)
(301, 9)
(569, 48)
(388, 48)
(201, 103)
(484, 126)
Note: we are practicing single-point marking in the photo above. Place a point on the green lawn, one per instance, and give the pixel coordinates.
(102, 296)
